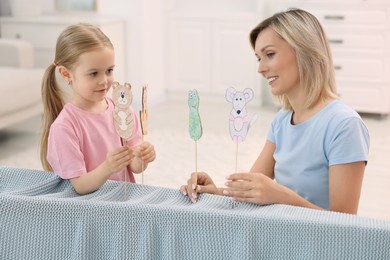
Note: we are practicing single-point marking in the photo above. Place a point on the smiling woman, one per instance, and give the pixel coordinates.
(317, 147)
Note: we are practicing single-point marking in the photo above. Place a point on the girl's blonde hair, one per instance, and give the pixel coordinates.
(303, 32)
(71, 43)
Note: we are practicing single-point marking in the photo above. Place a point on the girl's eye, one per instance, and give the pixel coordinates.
(110, 71)
(93, 74)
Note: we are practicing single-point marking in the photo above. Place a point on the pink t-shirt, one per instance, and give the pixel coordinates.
(79, 141)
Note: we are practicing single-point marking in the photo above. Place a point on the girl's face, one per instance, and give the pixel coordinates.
(92, 78)
(277, 63)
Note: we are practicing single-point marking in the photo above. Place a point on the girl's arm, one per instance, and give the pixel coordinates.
(116, 160)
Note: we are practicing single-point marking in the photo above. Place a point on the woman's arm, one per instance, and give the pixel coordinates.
(265, 162)
(345, 183)
(200, 182)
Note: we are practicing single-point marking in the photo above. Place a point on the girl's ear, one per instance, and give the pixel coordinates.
(65, 73)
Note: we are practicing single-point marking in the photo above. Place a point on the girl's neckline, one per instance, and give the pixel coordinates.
(107, 105)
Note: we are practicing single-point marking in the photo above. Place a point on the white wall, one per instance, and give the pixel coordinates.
(144, 43)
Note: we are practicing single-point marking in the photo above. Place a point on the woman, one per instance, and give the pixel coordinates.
(317, 147)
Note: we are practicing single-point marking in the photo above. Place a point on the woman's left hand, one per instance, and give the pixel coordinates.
(146, 152)
(252, 187)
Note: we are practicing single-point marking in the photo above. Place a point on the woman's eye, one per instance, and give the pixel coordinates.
(270, 54)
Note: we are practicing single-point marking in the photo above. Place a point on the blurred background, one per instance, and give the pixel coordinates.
(178, 45)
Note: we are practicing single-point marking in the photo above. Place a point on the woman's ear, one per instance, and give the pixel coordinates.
(65, 74)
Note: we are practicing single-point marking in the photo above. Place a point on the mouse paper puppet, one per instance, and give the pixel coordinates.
(123, 119)
(239, 121)
(195, 127)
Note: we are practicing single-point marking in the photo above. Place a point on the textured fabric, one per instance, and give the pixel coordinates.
(304, 152)
(41, 217)
(79, 141)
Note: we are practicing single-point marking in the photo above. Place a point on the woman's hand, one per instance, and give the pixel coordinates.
(199, 182)
(253, 187)
(119, 158)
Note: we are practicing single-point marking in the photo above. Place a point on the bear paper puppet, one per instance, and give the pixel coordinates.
(123, 119)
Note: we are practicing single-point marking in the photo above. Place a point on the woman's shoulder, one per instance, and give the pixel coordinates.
(340, 111)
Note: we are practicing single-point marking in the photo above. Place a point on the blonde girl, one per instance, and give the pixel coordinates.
(79, 141)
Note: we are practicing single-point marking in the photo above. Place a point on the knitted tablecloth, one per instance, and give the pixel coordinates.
(42, 217)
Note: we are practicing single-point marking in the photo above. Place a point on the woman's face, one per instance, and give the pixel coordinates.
(92, 77)
(277, 63)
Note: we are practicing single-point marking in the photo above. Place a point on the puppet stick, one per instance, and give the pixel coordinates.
(126, 195)
(236, 156)
(196, 156)
(235, 203)
(142, 166)
(143, 114)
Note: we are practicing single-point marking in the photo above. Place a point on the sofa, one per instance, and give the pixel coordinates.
(20, 82)
(42, 217)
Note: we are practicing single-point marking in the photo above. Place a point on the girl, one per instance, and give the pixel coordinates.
(79, 141)
(317, 147)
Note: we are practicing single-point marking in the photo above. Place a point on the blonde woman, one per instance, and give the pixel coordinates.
(79, 141)
(317, 147)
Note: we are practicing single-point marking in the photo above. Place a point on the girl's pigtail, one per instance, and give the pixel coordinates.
(53, 102)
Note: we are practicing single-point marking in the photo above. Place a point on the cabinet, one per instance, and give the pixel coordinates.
(43, 31)
(359, 35)
(208, 49)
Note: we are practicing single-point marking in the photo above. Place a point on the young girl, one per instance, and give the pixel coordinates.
(79, 141)
(317, 147)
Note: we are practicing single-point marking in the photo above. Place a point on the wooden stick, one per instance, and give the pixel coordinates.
(126, 195)
(235, 203)
(142, 166)
(196, 156)
(236, 156)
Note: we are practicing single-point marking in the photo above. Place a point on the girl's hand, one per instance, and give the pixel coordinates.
(119, 158)
(199, 182)
(253, 187)
(146, 152)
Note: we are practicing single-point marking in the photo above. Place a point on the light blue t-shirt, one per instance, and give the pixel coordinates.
(304, 152)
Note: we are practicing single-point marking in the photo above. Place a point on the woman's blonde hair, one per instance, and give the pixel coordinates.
(72, 42)
(303, 32)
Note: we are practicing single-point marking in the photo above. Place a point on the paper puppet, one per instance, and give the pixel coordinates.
(239, 121)
(123, 119)
(195, 127)
(143, 114)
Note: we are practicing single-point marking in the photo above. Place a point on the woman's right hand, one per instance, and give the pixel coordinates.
(119, 158)
(199, 182)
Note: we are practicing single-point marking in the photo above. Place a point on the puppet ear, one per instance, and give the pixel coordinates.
(115, 84)
(248, 92)
(230, 92)
(127, 85)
